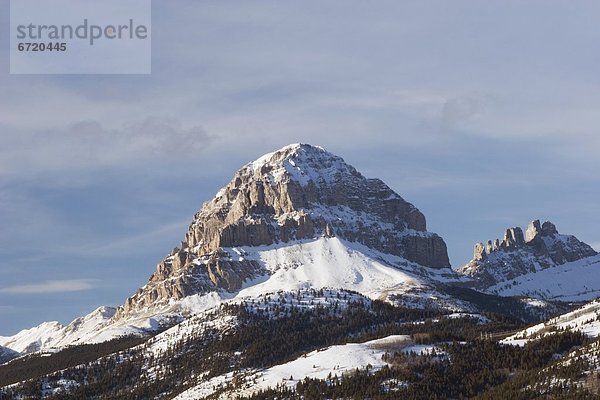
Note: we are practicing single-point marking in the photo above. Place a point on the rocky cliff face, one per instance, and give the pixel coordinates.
(298, 192)
(516, 254)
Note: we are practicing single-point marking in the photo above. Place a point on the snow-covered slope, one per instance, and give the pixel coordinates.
(34, 339)
(337, 263)
(7, 354)
(575, 281)
(324, 263)
(585, 319)
(50, 335)
(319, 364)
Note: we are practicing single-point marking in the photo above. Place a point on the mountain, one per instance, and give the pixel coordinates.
(541, 248)
(52, 335)
(569, 282)
(7, 354)
(298, 198)
(297, 218)
(585, 319)
(303, 279)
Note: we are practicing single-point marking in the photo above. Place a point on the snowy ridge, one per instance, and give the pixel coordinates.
(585, 319)
(219, 319)
(34, 339)
(99, 326)
(93, 328)
(575, 281)
(318, 364)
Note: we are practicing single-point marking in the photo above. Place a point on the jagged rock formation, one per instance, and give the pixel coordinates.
(516, 254)
(298, 192)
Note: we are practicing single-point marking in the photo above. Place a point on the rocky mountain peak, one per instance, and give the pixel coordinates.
(301, 163)
(299, 192)
(517, 254)
(535, 230)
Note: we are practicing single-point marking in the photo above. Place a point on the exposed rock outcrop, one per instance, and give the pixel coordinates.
(298, 192)
(517, 254)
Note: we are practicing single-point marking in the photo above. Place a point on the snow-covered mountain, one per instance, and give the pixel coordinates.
(299, 217)
(300, 192)
(585, 319)
(49, 335)
(569, 282)
(499, 263)
(301, 271)
(7, 354)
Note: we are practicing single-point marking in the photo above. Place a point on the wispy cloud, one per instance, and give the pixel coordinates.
(90, 144)
(51, 286)
(461, 108)
(135, 242)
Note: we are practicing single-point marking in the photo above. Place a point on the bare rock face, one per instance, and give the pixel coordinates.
(298, 192)
(517, 254)
(534, 229)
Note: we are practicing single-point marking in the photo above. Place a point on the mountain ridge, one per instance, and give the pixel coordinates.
(540, 248)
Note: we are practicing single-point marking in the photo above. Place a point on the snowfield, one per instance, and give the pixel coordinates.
(336, 263)
(319, 364)
(574, 281)
(585, 319)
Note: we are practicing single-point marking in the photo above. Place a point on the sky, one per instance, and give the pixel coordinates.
(482, 114)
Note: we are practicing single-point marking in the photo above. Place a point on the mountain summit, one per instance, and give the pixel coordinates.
(517, 254)
(299, 192)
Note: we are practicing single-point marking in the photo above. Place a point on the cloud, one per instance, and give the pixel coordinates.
(89, 144)
(596, 245)
(128, 244)
(51, 286)
(461, 108)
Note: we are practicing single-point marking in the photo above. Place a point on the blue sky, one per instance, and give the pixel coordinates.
(482, 114)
